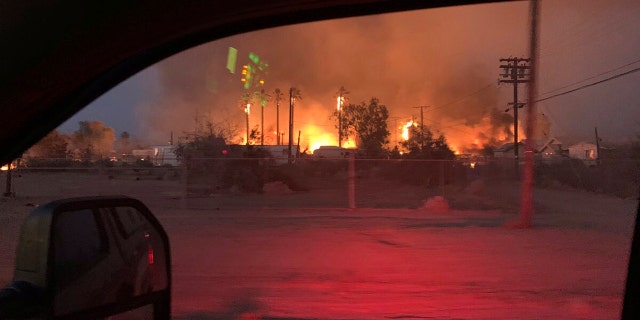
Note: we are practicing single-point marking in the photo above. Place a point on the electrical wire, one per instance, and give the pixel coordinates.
(592, 77)
(591, 84)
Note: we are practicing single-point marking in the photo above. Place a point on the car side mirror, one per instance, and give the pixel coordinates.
(90, 258)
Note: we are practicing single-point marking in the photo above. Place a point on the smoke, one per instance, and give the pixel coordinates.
(445, 58)
(93, 136)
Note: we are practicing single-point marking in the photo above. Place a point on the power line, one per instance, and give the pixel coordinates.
(590, 84)
(592, 77)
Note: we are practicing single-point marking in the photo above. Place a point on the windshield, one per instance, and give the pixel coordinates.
(374, 167)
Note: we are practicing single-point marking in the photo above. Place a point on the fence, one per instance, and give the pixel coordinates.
(314, 182)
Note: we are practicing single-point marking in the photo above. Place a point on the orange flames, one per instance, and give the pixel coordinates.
(6, 167)
(316, 129)
(463, 138)
(405, 129)
(315, 136)
(460, 137)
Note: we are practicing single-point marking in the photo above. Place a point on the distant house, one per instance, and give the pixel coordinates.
(550, 149)
(587, 152)
(164, 155)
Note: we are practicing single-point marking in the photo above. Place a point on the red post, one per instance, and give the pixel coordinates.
(526, 203)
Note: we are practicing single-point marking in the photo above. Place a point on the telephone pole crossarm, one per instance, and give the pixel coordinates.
(516, 70)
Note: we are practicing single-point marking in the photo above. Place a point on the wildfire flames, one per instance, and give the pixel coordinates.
(405, 129)
(463, 138)
(460, 137)
(6, 167)
(317, 137)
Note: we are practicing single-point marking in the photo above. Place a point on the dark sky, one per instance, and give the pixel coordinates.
(446, 59)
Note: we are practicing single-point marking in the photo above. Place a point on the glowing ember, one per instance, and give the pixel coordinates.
(472, 165)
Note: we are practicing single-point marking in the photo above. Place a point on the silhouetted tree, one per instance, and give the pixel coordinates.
(93, 139)
(124, 143)
(52, 146)
(255, 135)
(368, 124)
(423, 145)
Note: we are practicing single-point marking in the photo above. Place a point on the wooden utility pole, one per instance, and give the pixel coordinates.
(247, 111)
(597, 147)
(278, 94)
(263, 103)
(422, 126)
(294, 94)
(341, 92)
(298, 145)
(515, 71)
(8, 189)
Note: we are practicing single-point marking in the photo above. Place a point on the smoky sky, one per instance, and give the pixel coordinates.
(443, 59)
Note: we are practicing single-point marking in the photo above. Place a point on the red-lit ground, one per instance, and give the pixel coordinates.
(239, 257)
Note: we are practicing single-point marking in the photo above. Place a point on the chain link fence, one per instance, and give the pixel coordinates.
(316, 182)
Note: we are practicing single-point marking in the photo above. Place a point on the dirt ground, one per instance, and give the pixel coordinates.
(306, 255)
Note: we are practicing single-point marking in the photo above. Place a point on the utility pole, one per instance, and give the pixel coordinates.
(298, 145)
(515, 71)
(340, 104)
(278, 94)
(247, 111)
(294, 94)
(395, 129)
(263, 101)
(422, 126)
(8, 188)
(597, 147)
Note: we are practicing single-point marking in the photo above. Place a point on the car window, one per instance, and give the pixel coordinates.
(372, 167)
